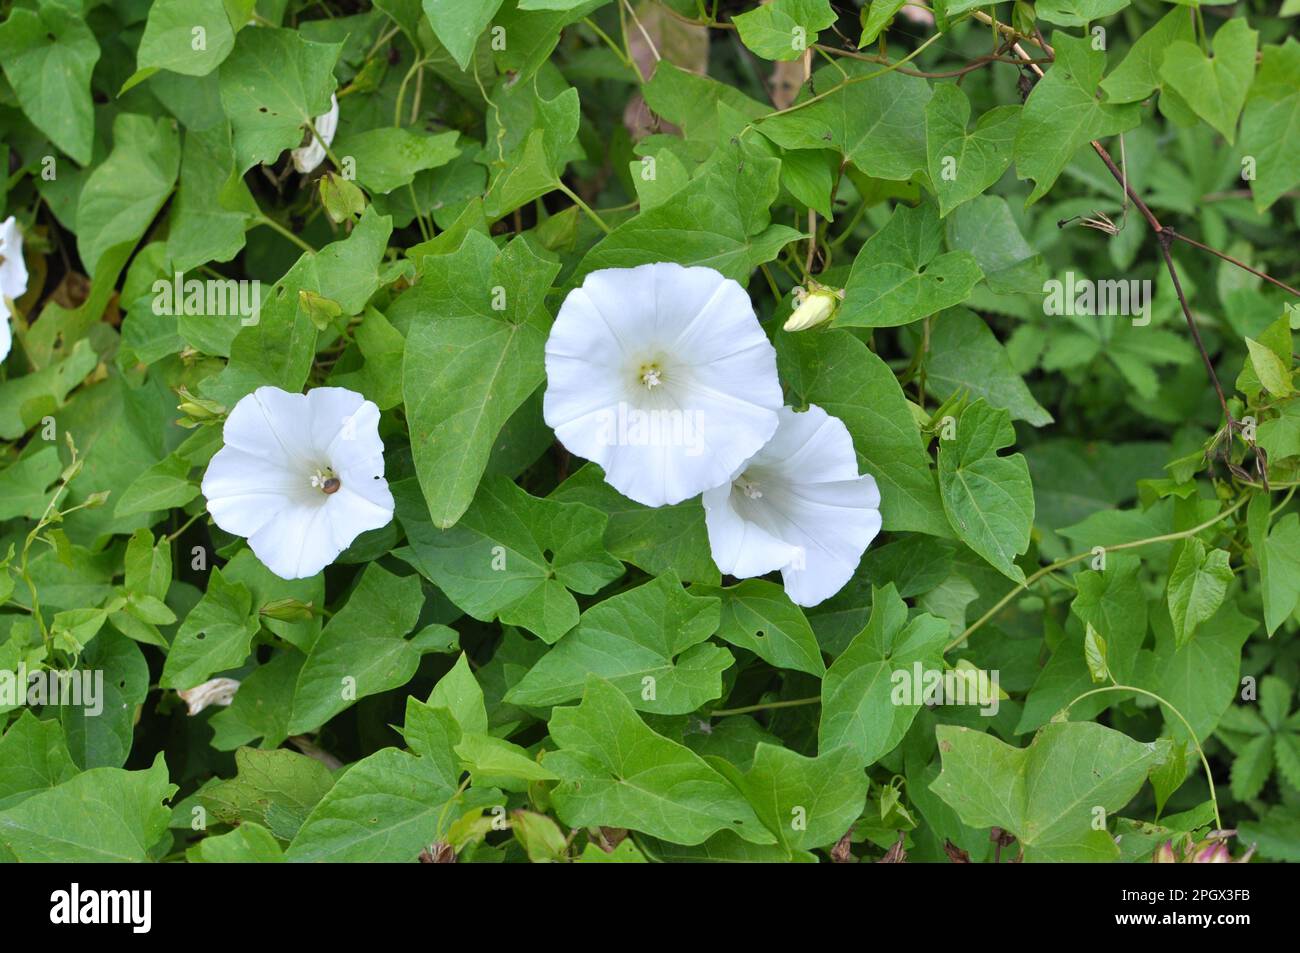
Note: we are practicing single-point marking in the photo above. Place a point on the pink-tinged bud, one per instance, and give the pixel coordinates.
(1215, 852)
(1164, 854)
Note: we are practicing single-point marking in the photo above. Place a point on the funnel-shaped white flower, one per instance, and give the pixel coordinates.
(798, 505)
(13, 270)
(663, 376)
(306, 158)
(301, 476)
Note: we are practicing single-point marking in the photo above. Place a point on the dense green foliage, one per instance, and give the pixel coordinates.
(524, 664)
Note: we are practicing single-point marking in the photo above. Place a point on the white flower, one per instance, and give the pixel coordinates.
(797, 505)
(662, 375)
(301, 476)
(13, 270)
(6, 336)
(306, 158)
(215, 691)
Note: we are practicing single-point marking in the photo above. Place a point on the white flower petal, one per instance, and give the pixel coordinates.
(13, 270)
(802, 492)
(297, 544)
(741, 548)
(6, 335)
(679, 346)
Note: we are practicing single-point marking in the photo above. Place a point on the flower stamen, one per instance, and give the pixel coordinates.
(750, 488)
(651, 376)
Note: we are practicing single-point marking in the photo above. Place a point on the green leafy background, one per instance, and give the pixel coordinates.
(1067, 503)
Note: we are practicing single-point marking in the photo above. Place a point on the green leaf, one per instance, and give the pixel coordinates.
(1078, 12)
(865, 705)
(488, 757)
(25, 486)
(170, 37)
(617, 772)
(784, 29)
(213, 206)
(721, 219)
(102, 815)
(33, 758)
(512, 556)
(384, 809)
(1270, 125)
(840, 374)
(1062, 114)
(164, 485)
(1198, 583)
(273, 85)
(1215, 87)
(965, 357)
(1049, 793)
(759, 616)
(249, 843)
(214, 637)
(649, 642)
(363, 649)
(1138, 74)
(277, 789)
(388, 158)
(1094, 655)
(1277, 551)
(1251, 767)
(466, 372)
(25, 400)
(963, 163)
(900, 276)
(806, 802)
(48, 56)
(871, 117)
(125, 192)
(459, 24)
(989, 498)
(532, 166)
(656, 539)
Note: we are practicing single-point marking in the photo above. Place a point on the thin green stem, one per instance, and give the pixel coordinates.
(1205, 762)
(1078, 557)
(577, 200)
(277, 227)
(792, 703)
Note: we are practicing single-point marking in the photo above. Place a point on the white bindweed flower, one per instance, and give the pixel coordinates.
(300, 475)
(13, 270)
(215, 691)
(798, 505)
(662, 375)
(306, 158)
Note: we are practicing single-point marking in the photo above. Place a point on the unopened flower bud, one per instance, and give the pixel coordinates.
(1211, 852)
(813, 307)
(287, 610)
(1164, 854)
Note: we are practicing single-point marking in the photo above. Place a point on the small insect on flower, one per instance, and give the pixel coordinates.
(312, 153)
(662, 375)
(300, 475)
(798, 505)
